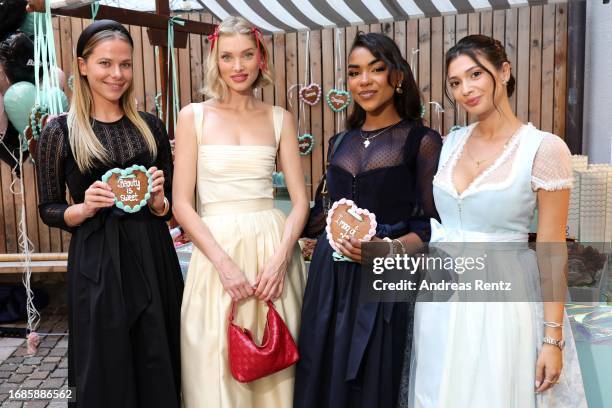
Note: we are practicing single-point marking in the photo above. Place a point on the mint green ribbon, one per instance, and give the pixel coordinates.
(338, 257)
(45, 58)
(172, 72)
(94, 9)
(158, 96)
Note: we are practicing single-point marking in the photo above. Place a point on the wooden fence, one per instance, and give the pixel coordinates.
(535, 39)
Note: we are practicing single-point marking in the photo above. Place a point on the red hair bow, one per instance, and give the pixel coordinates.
(263, 60)
(213, 37)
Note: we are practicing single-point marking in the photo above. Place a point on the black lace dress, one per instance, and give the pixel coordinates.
(351, 352)
(124, 280)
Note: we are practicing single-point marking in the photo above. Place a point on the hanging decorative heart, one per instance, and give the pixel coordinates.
(132, 187)
(38, 121)
(30, 143)
(338, 100)
(305, 144)
(38, 118)
(311, 94)
(345, 220)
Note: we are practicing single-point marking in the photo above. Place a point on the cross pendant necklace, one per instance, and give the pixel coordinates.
(366, 139)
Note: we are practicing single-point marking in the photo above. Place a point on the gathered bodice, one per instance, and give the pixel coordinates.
(233, 173)
(501, 200)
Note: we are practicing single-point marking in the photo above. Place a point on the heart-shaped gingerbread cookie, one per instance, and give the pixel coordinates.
(311, 94)
(32, 142)
(338, 100)
(132, 187)
(345, 220)
(305, 144)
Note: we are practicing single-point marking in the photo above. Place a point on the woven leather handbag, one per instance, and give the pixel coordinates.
(249, 361)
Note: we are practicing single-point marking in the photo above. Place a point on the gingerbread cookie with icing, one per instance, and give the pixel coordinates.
(345, 220)
(132, 187)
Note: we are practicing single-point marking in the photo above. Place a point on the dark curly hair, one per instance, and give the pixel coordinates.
(17, 58)
(487, 47)
(12, 15)
(407, 103)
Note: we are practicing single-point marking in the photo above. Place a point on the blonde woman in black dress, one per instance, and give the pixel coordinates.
(124, 281)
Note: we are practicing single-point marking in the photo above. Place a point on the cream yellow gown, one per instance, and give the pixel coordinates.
(234, 188)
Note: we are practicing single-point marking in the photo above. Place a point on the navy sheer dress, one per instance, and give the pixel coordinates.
(351, 352)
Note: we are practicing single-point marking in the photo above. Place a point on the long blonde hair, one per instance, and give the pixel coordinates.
(214, 85)
(86, 148)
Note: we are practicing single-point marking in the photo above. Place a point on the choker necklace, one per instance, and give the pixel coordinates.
(366, 139)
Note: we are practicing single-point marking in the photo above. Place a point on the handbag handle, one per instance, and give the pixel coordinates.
(230, 318)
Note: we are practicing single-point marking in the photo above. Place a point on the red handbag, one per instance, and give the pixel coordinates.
(249, 361)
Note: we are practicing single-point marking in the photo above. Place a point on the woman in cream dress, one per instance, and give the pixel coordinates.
(245, 249)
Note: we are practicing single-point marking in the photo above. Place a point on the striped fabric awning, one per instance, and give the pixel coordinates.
(299, 15)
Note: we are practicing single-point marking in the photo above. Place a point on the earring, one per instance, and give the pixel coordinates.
(399, 89)
(505, 82)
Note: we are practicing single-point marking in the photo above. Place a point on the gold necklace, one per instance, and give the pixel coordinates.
(479, 162)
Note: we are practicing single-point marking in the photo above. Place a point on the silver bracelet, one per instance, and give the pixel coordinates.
(554, 325)
(401, 244)
(554, 342)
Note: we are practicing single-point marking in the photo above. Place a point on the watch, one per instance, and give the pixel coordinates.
(554, 342)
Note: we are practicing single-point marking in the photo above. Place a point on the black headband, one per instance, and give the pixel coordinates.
(96, 27)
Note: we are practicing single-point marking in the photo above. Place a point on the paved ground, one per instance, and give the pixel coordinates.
(47, 370)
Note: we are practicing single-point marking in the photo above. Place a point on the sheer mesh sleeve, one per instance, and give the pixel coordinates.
(164, 156)
(317, 218)
(50, 161)
(552, 165)
(427, 165)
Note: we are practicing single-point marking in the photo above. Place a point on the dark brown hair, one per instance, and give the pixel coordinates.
(408, 103)
(487, 47)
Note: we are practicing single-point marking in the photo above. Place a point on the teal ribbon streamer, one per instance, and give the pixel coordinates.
(172, 72)
(94, 9)
(47, 88)
(338, 257)
(158, 96)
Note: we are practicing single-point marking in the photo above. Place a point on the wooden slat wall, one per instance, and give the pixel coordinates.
(535, 39)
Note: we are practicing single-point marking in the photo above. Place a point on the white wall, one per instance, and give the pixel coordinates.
(597, 134)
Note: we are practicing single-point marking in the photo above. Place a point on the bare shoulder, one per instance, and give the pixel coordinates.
(287, 116)
(187, 111)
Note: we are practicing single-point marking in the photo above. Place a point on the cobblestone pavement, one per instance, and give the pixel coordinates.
(47, 370)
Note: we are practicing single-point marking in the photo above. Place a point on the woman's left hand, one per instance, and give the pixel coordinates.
(156, 201)
(548, 367)
(270, 283)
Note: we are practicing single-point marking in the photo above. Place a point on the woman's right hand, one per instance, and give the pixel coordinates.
(234, 281)
(98, 195)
